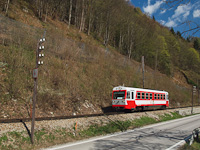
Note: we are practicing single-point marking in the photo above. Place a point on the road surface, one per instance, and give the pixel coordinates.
(166, 135)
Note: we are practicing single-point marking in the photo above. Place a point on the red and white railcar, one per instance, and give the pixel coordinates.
(129, 98)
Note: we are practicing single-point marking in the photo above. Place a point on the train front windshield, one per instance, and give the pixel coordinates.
(119, 95)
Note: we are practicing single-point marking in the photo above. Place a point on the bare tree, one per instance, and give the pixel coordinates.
(82, 24)
(176, 3)
(90, 17)
(70, 14)
(7, 6)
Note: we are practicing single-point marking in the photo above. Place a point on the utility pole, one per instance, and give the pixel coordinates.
(35, 76)
(143, 71)
(193, 92)
(192, 100)
(198, 90)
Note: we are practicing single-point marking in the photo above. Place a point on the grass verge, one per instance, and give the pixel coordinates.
(46, 137)
(194, 146)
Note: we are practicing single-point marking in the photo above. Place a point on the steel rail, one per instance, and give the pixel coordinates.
(17, 120)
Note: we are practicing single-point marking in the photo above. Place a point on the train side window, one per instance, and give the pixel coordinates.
(150, 95)
(158, 96)
(138, 95)
(164, 96)
(128, 95)
(147, 95)
(142, 95)
(155, 96)
(161, 96)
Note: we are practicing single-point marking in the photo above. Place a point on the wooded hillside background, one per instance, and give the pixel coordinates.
(121, 25)
(82, 62)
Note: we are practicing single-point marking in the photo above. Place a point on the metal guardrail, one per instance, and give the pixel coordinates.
(195, 136)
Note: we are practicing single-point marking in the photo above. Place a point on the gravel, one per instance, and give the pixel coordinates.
(83, 123)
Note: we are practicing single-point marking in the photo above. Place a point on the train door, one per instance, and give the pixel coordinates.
(131, 101)
(132, 95)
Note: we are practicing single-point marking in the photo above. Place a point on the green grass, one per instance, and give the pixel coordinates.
(144, 121)
(39, 135)
(111, 127)
(116, 126)
(194, 146)
(166, 117)
(46, 138)
(15, 134)
(3, 139)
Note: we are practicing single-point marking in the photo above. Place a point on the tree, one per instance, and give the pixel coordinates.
(172, 31)
(90, 16)
(154, 18)
(7, 6)
(176, 3)
(193, 59)
(196, 44)
(178, 33)
(82, 20)
(70, 14)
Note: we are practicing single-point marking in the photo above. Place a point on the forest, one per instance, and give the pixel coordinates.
(91, 46)
(119, 24)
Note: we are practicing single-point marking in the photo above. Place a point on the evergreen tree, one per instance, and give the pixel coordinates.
(178, 33)
(154, 18)
(196, 44)
(172, 31)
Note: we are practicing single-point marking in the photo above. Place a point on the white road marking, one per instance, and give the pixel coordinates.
(121, 133)
(179, 143)
(87, 141)
(166, 122)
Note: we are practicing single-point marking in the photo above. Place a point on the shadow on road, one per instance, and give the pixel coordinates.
(141, 140)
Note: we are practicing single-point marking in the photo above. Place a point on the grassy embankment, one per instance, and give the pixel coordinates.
(48, 137)
(195, 146)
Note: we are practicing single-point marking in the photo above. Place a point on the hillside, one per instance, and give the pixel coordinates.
(81, 66)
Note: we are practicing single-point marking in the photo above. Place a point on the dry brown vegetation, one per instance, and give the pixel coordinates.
(78, 72)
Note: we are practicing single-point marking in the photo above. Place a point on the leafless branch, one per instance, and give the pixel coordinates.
(176, 3)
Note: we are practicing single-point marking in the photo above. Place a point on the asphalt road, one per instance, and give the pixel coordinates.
(165, 135)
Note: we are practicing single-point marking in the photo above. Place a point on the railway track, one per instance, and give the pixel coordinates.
(56, 118)
(69, 117)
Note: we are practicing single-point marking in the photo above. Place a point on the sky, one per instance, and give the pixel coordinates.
(181, 17)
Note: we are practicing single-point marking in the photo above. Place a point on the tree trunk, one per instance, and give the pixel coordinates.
(39, 5)
(107, 34)
(70, 14)
(130, 50)
(90, 18)
(156, 59)
(89, 26)
(82, 17)
(120, 40)
(76, 14)
(47, 11)
(7, 6)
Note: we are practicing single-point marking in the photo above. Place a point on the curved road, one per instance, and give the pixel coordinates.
(166, 135)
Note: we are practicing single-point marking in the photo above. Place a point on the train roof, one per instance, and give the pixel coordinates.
(138, 89)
